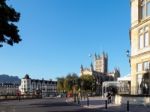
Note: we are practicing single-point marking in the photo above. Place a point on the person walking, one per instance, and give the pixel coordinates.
(109, 97)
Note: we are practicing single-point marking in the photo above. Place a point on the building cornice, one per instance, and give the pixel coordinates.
(140, 23)
(144, 53)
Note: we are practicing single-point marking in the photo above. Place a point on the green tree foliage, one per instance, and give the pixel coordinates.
(87, 82)
(71, 80)
(8, 29)
(72, 83)
(66, 84)
(60, 84)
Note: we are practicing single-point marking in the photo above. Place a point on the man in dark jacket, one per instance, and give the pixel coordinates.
(109, 97)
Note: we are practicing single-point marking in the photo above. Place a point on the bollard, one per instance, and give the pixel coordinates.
(78, 100)
(74, 98)
(87, 101)
(105, 104)
(128, 106)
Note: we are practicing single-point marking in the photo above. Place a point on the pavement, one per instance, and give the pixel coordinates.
(98, 104)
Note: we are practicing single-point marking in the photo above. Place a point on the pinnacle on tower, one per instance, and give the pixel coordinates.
(81, 68)
(95, 56)
(92, 67)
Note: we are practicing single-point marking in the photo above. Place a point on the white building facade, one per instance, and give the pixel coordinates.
(37, 87)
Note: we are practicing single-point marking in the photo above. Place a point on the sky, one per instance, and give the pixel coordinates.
(58, 36)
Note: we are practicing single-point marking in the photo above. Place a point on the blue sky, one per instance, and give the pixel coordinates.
(58, 36)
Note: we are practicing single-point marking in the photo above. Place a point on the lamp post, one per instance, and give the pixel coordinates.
(128, 55)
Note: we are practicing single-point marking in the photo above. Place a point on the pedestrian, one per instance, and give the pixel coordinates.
(18, 96)
(109, 97)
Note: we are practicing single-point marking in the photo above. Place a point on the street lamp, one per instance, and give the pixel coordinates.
(128, 55)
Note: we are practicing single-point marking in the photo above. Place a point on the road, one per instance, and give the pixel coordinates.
(60, 105)
(40, 105)
(45, 105)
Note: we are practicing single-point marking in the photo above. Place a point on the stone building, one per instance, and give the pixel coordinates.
(9, 89)
(140, 44)
(101, 63)
(37, 87)
(100, 71)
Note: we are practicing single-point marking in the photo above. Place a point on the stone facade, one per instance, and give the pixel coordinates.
(101, 63)
(140, 42)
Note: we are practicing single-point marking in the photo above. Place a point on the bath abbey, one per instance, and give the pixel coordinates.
(99, 69)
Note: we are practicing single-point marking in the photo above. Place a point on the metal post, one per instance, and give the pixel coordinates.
(105, 104)
(87, 101)
(78, 100)
(75, 98)
(128, 106)
(102, 92)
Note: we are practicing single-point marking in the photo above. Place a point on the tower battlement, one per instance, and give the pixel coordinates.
(101, 63)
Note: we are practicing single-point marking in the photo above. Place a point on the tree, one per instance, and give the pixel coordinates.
(71, 81)
(60, 84)
(8, 29)
(69, 84)
(87, 82)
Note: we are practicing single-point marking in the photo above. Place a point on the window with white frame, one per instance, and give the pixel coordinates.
(145, 8)
(144, 37)
(139, 67)
(141, 45)
(146, 65)
(148, 8)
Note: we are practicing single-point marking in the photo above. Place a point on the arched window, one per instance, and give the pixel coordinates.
(145, 8)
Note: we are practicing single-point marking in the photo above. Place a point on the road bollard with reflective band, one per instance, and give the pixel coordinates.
(78, 100)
